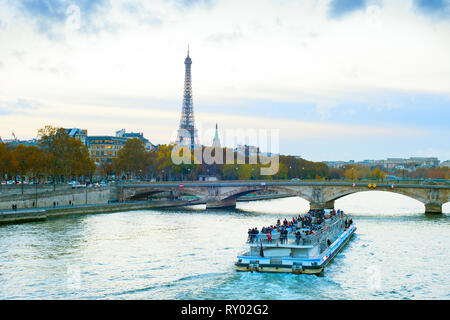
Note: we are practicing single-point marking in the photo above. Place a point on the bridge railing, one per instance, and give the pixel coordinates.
(359, 182)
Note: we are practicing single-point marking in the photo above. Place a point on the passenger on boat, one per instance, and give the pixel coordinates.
(252, 234)
(298, 237)
(347, 222)
(311, 222)
(283, 236)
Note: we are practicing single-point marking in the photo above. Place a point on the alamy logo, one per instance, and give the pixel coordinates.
(73, 277)
(73, 20)
(247, 149)
(374, 278)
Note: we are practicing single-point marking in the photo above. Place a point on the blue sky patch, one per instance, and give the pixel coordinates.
(437, 8)
(339, 8)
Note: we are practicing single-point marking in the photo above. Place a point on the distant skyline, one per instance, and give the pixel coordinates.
(341, 80)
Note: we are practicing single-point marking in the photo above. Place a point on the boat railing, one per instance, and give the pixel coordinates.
(328, 230)
(291, 239)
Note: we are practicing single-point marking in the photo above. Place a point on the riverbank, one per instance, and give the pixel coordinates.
(41, 214)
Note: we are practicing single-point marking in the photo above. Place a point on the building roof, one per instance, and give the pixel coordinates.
(118, 139)
(74, 131)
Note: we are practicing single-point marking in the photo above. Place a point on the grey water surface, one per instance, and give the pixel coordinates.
(398, 252)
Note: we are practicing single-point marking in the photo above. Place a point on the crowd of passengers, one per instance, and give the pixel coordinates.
(305, 225)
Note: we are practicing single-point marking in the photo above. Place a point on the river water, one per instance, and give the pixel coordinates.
(188, 253)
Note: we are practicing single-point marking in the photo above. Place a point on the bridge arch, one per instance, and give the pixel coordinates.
(383, 191)
(145, 194)
(240, 193)
(304, 194)
(141, 193)
(338, 194)
(384, 201)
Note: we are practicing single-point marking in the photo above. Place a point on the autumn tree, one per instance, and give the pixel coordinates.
(29, 161)
(132, 158)
(351, 174)
(65, 156)
(8, 163)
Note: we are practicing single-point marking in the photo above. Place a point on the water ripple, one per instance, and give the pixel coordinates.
(189, 253)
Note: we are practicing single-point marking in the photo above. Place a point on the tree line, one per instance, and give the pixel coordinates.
(133, 161)
(56, 157)
(424, 173)
(59, 158)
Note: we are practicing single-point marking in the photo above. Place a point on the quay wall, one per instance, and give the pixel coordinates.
(60, 197)
(29, 215)
(17, 189)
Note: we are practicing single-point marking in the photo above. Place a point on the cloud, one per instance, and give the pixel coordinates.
(138, 11)
(19, 54)
(339, 8)
(23, 104)
(18, 107)
(191, 3)
(324, 108)
(239, 56)
(224, 36)
(437, 8)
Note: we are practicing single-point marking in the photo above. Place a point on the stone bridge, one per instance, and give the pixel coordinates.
(319, 194)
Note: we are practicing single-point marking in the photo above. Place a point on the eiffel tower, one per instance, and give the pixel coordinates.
(187, 133)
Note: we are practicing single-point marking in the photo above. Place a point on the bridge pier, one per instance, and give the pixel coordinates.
(221, 204)
(433, 208)
(326, 205)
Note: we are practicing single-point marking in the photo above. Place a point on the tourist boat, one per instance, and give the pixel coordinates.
(308, 247)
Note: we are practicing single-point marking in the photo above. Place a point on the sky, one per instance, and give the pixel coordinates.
(338, 79)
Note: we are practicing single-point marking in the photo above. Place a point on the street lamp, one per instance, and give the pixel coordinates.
(35, 197)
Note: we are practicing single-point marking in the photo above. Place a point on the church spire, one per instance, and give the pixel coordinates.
(216, 141)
